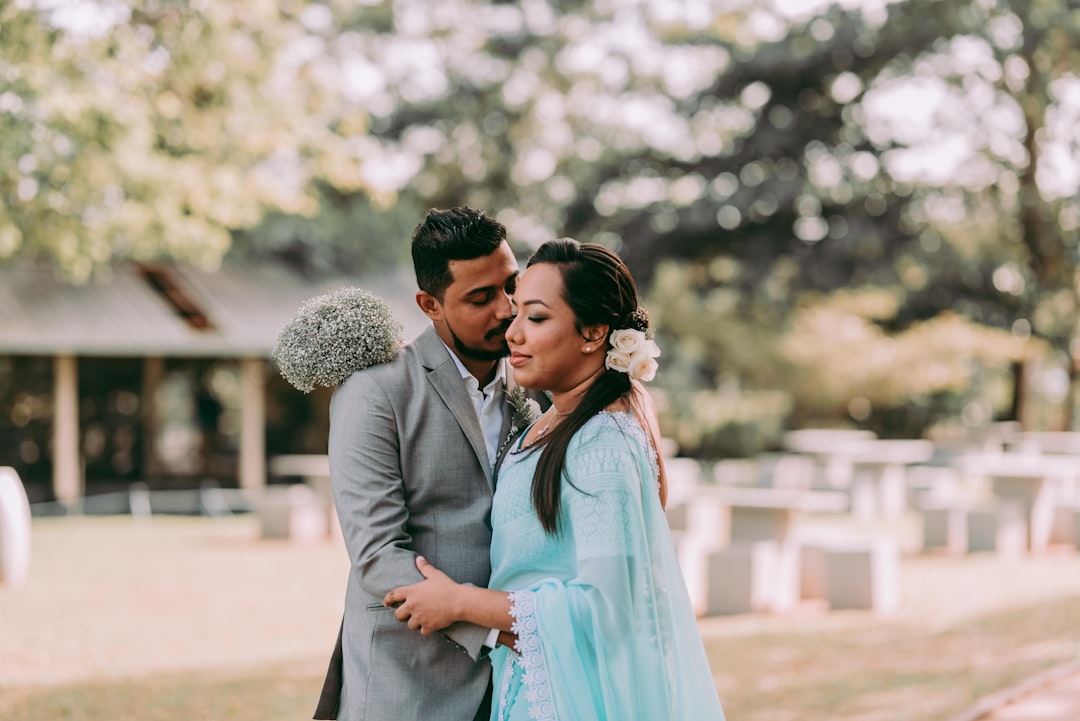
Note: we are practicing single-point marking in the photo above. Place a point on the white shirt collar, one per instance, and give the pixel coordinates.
(467, 376)
(488, 403)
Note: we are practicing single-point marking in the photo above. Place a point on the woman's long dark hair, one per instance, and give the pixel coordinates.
(599, 289)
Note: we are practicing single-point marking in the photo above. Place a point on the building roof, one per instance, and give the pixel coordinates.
(171, 309)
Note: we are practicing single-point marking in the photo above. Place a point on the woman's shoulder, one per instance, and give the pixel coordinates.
(607, 449)
(628, 415)
(611, 429)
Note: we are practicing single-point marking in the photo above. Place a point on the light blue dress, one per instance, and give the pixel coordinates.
(605, 627)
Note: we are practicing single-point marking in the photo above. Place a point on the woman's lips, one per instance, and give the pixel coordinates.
(517, 359)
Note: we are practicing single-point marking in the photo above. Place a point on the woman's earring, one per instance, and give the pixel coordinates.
(588, 349)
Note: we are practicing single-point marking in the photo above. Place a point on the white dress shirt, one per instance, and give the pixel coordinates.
(489, 411)
(488, 403)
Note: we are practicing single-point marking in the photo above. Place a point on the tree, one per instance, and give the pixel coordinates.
(749, 147)
(1026, 74)
(755, 158)
(160, 130)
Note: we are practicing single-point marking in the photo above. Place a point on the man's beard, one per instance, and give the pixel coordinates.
(481, 354)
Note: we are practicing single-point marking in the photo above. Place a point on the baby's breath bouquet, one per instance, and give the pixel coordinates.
(334, 335)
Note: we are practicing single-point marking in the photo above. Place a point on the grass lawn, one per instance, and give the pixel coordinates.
(191, 619)
(892, 672)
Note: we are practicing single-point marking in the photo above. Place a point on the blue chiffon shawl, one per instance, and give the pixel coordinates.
(605, 626)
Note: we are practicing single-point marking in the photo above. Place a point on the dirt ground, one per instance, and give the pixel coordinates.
(119, 597)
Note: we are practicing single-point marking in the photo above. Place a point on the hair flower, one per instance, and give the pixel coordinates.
(632, 353)
(626, 340)
(334, 335)
(617, 361)
(643, 368)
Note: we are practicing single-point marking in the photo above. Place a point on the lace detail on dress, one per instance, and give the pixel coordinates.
(512, 664)
(528, 644)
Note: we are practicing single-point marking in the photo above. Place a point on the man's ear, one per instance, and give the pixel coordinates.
(429, 304)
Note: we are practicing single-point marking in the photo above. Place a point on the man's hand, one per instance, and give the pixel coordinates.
(429, 605)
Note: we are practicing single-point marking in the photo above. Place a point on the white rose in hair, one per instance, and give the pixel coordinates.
(651, 349)
(643, 368)
(627, 340)
(618, 361)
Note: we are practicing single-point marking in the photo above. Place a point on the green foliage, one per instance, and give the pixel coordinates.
(165, 130)
(834, 359)
(726, 423)
(351, 234)
(750, 147)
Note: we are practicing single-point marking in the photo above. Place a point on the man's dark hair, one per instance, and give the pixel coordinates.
(446, 235)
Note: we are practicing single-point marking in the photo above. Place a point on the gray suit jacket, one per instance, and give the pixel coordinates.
(411, 476)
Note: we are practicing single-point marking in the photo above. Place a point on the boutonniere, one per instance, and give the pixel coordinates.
(525, 410)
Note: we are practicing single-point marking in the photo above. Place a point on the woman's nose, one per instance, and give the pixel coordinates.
(513, 331)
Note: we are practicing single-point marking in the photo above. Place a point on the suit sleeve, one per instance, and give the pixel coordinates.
(369, 492)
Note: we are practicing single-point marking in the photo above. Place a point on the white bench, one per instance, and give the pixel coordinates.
(291, 512)
(863, 576)
(14, 529)
(1000, 527)
(879, 475)
(1031, 479)
(945, 528)
(931, 485)
(794, 471)
(1063, 527)
(849, 571)
(758, 568)
(745, 577)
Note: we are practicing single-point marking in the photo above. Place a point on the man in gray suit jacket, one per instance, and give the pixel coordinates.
(413, 444)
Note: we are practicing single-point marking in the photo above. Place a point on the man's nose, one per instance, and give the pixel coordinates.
(504, 306)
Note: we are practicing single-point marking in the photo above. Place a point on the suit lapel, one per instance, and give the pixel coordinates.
(514, 423)
(444, 377)
(510, 423)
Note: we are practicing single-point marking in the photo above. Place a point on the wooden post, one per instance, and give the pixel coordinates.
(252, 470)
(153, 372)
(67, 471)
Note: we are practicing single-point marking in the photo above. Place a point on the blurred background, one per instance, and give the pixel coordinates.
(860, 215)
(857, 214)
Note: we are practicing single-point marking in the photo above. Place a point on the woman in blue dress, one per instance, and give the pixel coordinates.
(593, 616)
